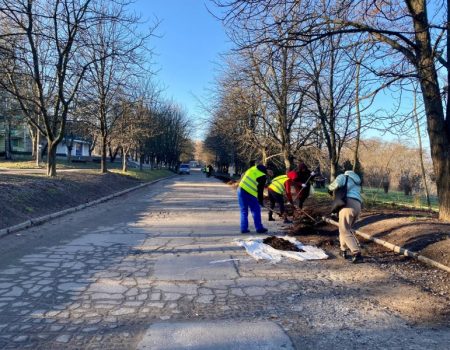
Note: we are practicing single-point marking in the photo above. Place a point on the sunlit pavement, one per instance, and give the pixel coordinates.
(159, 269)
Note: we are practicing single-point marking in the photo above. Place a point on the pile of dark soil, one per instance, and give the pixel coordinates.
(281, 244)
(417, 230)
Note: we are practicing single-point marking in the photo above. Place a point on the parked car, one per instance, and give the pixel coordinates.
(184, 169)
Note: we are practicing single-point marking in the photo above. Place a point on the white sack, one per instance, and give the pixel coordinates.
(257, 249)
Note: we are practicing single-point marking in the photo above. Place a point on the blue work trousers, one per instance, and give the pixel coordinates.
(246, 200)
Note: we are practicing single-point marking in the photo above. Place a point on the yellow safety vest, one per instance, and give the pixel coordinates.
(277, 184)
(249, 183)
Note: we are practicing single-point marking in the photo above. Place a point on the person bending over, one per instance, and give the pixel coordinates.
(278, 188)
(250, 195)
(349, 213)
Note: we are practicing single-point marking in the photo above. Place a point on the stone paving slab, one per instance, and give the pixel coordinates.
(99, 279)
(218, 335)
(194, 267)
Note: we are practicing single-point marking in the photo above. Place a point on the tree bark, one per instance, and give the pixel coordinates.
(8, 144)
(113, 154)
(141, 159)
(33, 135)
(51, 158)
(37, 150)
(358, 118)
(419, 138)
(103, 168)
(69, 152)
(124, 160)
(333, 168)
(438, 126)
(287, 158)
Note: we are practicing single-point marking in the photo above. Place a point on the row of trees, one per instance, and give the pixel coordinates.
(82, 67)
(306, 72)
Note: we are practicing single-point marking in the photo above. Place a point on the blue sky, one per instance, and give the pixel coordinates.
(187, 54)
(188, 50)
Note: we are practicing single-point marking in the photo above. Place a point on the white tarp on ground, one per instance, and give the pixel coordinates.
(257, 249)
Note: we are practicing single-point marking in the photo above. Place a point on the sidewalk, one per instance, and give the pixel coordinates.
(159, 270)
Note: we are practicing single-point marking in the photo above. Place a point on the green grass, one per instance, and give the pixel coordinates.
(146, 174)
(19, 164)
(60, 164)
(374, 196)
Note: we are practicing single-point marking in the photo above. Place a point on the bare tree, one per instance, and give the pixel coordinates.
(412, 39)
(117, 52)
(45, 67)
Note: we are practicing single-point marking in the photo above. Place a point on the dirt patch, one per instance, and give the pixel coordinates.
(416, 230)
(281, 244)
(24, 197)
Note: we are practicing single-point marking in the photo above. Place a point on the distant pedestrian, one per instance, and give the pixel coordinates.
(349, 213)
(209, 170)
(250, 195)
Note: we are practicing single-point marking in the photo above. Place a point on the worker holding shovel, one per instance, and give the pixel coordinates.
(349, 210)
(280, 186)
(302, 178)
(303, 182)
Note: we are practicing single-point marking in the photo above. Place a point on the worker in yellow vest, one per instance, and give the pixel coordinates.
(250, 195)
(280, 186)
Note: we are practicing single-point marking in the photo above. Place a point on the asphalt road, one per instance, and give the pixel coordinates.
(159, 269)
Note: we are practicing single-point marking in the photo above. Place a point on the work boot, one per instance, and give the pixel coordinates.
(262, 230)
(357, 258)
(344, 254)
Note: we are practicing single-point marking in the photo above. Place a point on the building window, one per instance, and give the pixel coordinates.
(17, 144)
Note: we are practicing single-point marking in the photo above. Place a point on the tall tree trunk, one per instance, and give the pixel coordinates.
(69, 152)
(8, 143)
(438, 126)
(51, 158)
(419, 138)
(33, 136)
(103, 168)
(287, 159)
(38, 148)
(333, 168)
(358, 119)
(141, 159)
(113, 153)
(124, 160)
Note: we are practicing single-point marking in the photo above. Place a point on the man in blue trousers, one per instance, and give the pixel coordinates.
(250, 195)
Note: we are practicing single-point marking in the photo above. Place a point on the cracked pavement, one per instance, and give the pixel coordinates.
(158, 269)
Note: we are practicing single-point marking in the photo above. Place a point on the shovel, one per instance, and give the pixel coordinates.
(316, 222)
(276, 212)
(307, 181)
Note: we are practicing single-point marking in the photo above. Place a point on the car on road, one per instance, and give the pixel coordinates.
(184, 169)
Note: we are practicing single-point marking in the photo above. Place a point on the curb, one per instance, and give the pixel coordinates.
(42, 219)
(396, 248)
